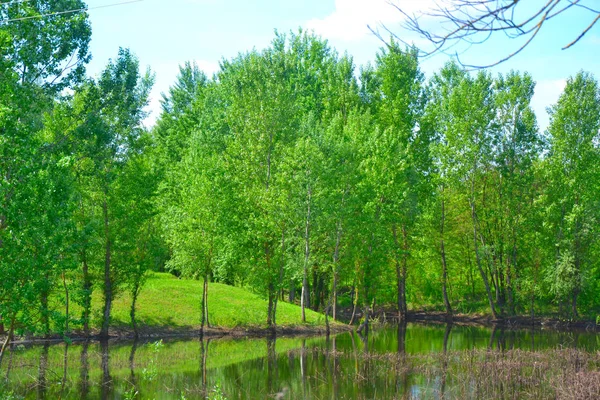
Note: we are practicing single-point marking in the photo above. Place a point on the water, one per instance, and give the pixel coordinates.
(396, 362)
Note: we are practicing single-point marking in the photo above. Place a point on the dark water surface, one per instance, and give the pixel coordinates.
(413, 361)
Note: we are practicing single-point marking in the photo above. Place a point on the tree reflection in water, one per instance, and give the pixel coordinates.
(399, 361)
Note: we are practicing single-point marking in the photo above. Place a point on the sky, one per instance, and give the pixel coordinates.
(167, 33)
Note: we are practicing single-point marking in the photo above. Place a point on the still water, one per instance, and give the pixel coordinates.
(413, 361)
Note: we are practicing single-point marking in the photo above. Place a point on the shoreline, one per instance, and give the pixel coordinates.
(166, 332)
(126, 333)
(514, 322)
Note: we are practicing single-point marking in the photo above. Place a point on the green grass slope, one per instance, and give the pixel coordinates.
(167, 301)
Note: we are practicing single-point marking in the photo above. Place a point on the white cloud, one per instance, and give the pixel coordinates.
(546, 94)
(350, 19)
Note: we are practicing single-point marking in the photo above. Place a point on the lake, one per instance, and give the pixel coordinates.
(412, 361)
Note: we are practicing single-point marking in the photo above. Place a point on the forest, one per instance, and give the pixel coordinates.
(293, 173)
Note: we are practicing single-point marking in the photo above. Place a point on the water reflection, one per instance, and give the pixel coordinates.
(42, 371)
(106, 382)
(84, 371)
(402, 361)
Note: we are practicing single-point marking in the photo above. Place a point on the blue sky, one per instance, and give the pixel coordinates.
(166, 33)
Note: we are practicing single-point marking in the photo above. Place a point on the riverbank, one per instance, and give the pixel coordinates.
(166, 332)
(150, 333)
(513, 322)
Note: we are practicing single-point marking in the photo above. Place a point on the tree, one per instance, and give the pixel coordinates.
(518, 150)
(139, 242)
(397, 158)
(52, 51)
(475, 21)
(192, 218)
(34, 58)
(574, 190)
(188, 199)
(107, 115)
(467, 135)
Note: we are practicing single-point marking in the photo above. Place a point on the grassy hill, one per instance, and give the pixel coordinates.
(167, 301)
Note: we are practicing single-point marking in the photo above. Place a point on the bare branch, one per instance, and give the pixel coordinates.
(586, 30)
(475, 21)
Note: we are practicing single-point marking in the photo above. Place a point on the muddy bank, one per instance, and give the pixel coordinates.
(157, 332)
(516, 322)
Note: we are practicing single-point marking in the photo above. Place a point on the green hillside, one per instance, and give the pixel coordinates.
(167, 301)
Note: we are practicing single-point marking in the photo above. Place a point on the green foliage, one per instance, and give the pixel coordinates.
(286, 172)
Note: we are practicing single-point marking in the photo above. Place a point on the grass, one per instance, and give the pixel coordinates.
(167, 301)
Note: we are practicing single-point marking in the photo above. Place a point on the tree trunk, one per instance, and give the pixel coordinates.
(443, 256)
(365, 324)
(401, 268)
(404, 269)
(305, 293)
(399, 283)
(478, 260)
(292, 294)
(271, 287)
(87, 295)
(203, 305)
(9, 336)
(355, 303)
(336, 259)
(108, 292)
(271, 306)
(577, 265)
(134, 296)
(66, 303)
(205, 294)
(509, 281)
(318, 291)
(45, 317)
(281, 271)
(327, 308)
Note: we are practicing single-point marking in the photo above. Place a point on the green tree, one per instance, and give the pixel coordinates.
(466, 134)
(573, 191)
(50, 52)
(397, 161)
(108, 133)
